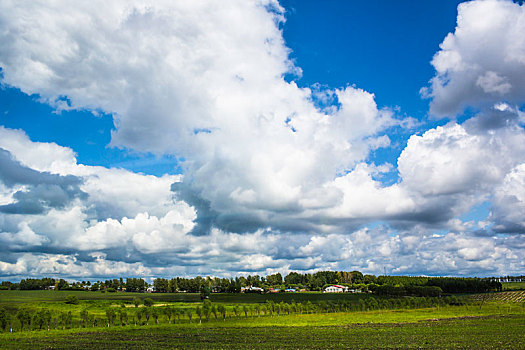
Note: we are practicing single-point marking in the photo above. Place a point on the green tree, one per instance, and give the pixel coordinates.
(137, 301)
(294, 278)
(42, 318)
(179, 313)
(37, 320)
(62, 284)
(161, 285)
(62, 319)
(323, 306)
(148, 302)
(362, 305)
(138, 314)
(207, 313)
(146, 312)
(47, 316)
(168, 311)
(198, 311)
(135, 285)
(3, 318)
(270, 305)
(172, 285)
(308, 306)
(275, 279)
(110, 316)
(84, 317)
(123, 316)
(222, 311)
(24, 317)
(155, 314)
(189, 313)
(206, 309)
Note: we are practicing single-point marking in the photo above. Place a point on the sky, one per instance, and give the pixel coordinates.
(175, 138)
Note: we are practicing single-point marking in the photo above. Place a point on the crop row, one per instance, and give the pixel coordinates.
(517, 296)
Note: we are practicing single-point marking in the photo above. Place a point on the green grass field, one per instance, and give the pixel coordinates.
(513, 285)
(17, 297)
(488, 332)
(488, 324)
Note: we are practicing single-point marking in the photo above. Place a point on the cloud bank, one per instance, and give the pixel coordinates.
(276, 176)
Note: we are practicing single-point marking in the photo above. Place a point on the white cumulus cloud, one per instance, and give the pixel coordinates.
(483, 61)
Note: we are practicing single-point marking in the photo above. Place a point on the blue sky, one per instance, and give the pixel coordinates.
(370, 135)
(373, 45)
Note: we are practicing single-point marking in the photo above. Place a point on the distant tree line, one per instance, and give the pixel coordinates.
(382, 285)
(433, 286)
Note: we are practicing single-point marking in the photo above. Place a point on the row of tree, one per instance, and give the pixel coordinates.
(313, 282)
(42, 319)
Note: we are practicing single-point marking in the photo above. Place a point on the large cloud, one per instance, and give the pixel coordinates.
(201, 81)
(77, 241)
(82, 207)
(483, 61)
(40, 190)
(509, 202)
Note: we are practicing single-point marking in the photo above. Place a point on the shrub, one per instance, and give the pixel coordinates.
(71, 299)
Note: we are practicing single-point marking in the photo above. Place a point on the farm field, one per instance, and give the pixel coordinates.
(491, 324)
(488, 332)
(510, 297)
(513, 285)
(18, 297)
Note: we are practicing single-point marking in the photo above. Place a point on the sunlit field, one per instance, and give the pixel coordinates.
(261, 321)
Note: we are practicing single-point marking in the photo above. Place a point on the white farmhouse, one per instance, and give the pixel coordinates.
(251, 289)
(336, 289)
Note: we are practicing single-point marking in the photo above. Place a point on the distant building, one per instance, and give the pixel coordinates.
(251, 289)
(336, 289)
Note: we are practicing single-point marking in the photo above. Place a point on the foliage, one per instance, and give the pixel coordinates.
(4, 318)
(413, 290)
(71, 299)
(137, 301)
(135, 285)
(464, 285)
(24, 317)
(32, 283)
